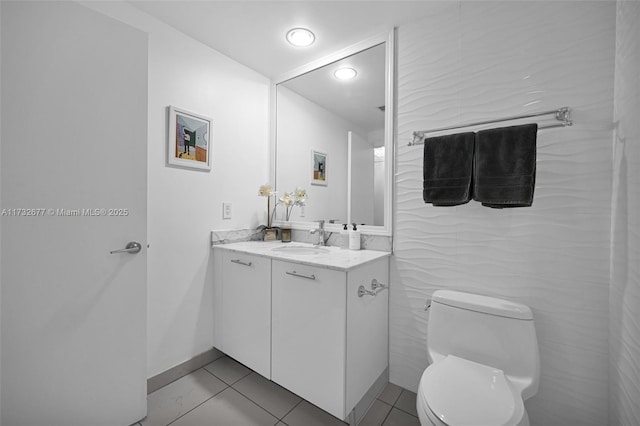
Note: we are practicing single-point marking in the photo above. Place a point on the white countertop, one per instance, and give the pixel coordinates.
(336, 257)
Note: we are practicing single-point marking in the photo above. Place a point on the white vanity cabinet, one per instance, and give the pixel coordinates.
(329, 345)
(299, 320)
(309, 317)
(242, 314)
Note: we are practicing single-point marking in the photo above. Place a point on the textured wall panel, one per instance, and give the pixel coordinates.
(470, 61)
(625, 273)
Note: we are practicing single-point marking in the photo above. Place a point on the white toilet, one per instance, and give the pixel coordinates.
(484, 362)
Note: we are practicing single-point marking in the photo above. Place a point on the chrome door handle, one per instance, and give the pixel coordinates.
(240, 262)
(133, 247)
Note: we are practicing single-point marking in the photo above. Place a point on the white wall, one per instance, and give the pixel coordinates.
(362, 180)
(469, 61)
(1, 206)
(379, 179)
(309, 126)
(624, 301)
(184, 205)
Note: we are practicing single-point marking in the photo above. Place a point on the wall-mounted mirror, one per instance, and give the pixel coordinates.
(334, 138)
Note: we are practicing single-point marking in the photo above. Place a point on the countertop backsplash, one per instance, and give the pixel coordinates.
(368, 242)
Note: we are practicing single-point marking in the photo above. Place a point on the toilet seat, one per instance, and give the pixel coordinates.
(459, 392)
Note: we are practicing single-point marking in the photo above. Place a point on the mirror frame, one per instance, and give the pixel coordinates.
(389, 131)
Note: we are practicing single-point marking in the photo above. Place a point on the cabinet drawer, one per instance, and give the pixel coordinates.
(309, 333)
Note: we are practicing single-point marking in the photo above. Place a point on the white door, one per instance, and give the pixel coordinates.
(74, 131)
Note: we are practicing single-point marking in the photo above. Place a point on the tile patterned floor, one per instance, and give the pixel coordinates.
(227, 393)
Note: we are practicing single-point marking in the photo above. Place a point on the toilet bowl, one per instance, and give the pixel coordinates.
(457, 392)
(484, 362)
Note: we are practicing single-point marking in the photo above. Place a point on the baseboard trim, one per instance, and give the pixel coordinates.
(171, 375)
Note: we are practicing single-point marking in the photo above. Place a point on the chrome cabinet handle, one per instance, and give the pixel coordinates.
(295, 274)
(240, 262)
(132, 248)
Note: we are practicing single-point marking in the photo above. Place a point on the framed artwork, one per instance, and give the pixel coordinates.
(318, 168)
(189, 140)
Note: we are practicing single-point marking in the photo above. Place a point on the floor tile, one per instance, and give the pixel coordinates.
(228, 408)
(407, 402)
(376, 415)
(306, 414)
(273, 398)
(170, 402)
(400, 418)
(227, 369)
(390, 393)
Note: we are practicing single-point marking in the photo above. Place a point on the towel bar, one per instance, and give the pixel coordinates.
(561, 114)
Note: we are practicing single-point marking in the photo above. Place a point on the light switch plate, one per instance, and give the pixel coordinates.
(226, 210)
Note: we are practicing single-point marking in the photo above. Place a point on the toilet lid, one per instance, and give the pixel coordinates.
(462, 392)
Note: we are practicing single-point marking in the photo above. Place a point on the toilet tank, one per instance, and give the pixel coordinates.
(487, 330)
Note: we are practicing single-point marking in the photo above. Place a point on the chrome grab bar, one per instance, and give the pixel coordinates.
(295, 274)
(240, 262)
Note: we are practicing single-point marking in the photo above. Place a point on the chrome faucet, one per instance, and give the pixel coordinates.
(320, 231)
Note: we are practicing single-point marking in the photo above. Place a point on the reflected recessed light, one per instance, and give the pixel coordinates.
(300, 37)
(345, 73)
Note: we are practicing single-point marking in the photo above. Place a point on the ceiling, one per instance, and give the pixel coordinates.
(253, 32)
(358, 100)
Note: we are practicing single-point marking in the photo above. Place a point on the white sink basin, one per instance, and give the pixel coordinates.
(300, 250)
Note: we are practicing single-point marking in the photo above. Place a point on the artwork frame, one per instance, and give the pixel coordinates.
(189, 130)
(319, 174)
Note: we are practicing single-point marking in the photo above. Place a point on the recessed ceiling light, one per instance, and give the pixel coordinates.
(300, 37)
(345, 73)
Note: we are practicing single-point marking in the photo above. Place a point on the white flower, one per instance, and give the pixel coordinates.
(266, 190)
(287, 199)
(300, 196)
(291, 199)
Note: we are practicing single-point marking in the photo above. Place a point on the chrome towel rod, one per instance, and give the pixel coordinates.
(563, 115)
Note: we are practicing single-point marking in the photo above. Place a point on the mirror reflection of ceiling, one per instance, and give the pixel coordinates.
(253, 32)
(358, 100)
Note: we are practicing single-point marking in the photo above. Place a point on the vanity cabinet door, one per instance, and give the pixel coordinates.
(245, 293)
(309, 333)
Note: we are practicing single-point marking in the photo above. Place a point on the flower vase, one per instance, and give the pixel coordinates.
(285, 232)
(270, 234)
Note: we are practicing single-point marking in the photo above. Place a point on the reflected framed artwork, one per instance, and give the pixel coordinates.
(318, 168)
(189, 142)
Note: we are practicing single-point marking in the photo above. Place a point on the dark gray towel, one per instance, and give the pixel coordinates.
(447, 169)
(505, 166)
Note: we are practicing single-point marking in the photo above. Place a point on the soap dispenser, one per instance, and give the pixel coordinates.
(354, 238)
(344, 236)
